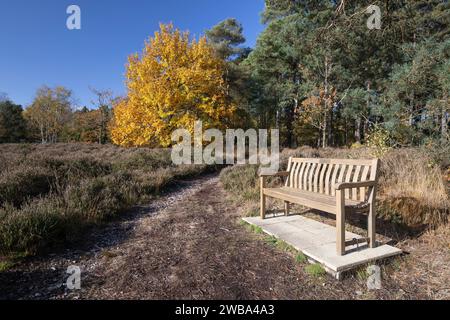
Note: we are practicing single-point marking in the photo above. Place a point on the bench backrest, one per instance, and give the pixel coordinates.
(321, 175)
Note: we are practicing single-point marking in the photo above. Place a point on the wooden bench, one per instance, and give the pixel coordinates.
(336, 186)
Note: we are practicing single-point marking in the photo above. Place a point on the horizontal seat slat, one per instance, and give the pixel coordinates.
(310, 199)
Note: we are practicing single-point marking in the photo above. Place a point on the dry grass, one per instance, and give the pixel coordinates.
(52, 193)
(414, 187)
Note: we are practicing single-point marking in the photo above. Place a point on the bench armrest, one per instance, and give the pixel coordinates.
(350, 185)
(278, 174)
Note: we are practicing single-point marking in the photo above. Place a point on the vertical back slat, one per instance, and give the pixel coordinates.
(298, 174)
(289, 167)
(305, 176)
(356, 179)
(348, 177)
(342, 174)
(295, 179)
(292, 174)
(311, 176)
(317, 176)
(327, 178)
(333, 178)
(362, 191)
(374, 170)
(322, 178)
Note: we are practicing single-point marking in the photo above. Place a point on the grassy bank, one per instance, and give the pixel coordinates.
(412, 187)
(52, 193)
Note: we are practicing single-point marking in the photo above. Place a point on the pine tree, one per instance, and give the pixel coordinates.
(12, 123)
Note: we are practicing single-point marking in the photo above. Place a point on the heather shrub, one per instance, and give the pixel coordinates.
(242, 181)
(23, 182)
(53, 193)
(94, 200)
(36, 225)
(144, 160)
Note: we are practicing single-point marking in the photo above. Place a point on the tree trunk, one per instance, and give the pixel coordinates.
(345, 132)
(411, 110)
(277, 120)
(365, 130)
(326, 91)
(41, 128)
(367, 113)
(331, 138)
(289, 123)
(358, 124)
(444, 120)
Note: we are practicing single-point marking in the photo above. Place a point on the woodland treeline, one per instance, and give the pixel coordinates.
(53, 117)
(317, 73)
(321, 76)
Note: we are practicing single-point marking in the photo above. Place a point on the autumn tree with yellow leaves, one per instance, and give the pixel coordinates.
(175, 82)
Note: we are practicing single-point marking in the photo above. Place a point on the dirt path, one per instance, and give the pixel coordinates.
(188, 245)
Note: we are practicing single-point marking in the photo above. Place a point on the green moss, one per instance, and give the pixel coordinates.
(315, 270)
(257, 230)
(282, 245)
(301, 258)
(6, 265)
(251, 227)
(243, 223)
(271, 240)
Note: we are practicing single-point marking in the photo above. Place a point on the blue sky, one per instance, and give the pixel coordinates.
(37, 48)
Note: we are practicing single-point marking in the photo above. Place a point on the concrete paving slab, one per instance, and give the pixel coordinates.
(267, 221)
(280, 229)
(299, 242)
(318, 242)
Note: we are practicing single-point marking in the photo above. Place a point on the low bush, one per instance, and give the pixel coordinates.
(241, 181)
(23, 182)
(35, 225)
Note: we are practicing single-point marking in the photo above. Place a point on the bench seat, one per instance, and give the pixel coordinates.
(318, 201)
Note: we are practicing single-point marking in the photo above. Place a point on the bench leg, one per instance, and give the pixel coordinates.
(286, 208)
(340, 222)
(263, 198)
(371, 225)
